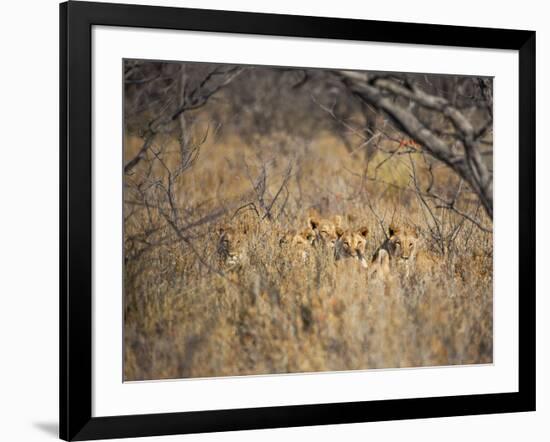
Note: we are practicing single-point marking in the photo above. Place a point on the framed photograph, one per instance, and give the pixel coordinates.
(272, 221)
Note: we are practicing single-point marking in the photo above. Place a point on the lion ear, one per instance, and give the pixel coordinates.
(393, 230)
(313, 222)
(364, 231)
(221, 230)
(339, 231)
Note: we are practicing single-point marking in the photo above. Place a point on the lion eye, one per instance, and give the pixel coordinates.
(411, 244)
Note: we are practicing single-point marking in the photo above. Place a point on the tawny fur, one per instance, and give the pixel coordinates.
(352, 243)
(401, 250)
(326, 229)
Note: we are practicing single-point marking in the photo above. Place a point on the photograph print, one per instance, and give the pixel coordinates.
(292, 220)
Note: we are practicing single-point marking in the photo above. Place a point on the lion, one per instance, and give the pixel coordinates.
(300, 241)
(401, 249)
(305, 237)
(326, 229)
(351, 244)
(231, 245)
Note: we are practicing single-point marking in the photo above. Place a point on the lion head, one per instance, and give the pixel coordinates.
(402, 242)
(352, 244)
(326, 229)
(231, 244)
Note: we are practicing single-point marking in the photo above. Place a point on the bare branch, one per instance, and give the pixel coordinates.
(198, 98)
(380, 92)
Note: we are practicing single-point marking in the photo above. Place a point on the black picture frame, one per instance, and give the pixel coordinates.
(76, 21)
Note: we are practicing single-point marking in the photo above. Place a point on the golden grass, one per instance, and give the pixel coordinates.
(278, 312)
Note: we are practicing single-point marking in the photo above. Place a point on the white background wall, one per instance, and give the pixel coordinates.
(29, 218)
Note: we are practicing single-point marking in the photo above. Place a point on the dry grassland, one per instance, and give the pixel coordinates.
(188, 314)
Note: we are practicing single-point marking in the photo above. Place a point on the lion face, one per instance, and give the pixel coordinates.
(403, 242)
(400, 251)
(231, 244)
(299, 242)
(305, 237)
(352, 244)
(326, 230)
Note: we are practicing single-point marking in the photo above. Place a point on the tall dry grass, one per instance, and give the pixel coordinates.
(187, 315)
